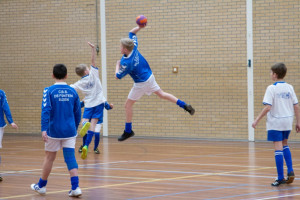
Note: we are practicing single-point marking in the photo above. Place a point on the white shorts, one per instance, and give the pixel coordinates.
(147, 87)
(54, 145)
(1, 136)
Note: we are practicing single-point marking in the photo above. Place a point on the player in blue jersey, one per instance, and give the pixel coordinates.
(4, 109)
(134, 64)
(60, 117)
(281, 104)
(86, 142)
(94, 100)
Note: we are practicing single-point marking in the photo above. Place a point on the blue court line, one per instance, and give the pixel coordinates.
(178, 193)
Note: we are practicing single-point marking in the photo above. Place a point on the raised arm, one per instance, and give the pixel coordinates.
(136, 29)
(93, 54)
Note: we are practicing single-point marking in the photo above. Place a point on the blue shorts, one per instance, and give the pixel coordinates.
(94, 113)
(276, 136)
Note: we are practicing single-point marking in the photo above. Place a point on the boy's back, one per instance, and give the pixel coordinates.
(91, 87)
(61, 111)
(282, 97)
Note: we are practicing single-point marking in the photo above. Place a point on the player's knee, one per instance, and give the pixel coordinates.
(98, 128)
(69, 155)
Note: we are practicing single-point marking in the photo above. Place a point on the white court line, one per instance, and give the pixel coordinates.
(277, 197)
(32, 170)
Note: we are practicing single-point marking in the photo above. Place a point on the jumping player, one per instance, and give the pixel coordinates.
(94, 100)
(280, 103)
(134, 64)
(61, 113)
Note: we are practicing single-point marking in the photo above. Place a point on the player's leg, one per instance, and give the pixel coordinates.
(40, 187)
(1, 136)
(85, 127)
(167, 96)
(70, 160)
(128, 125)
(83, 142)
(288, 158)
(277, 138)
(89, 138)
(97, 137)
(51, 147)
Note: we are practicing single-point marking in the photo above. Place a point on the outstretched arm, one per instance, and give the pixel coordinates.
(136, 29)
(93, 54)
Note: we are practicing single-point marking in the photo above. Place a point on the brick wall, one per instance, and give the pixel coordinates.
(206, 39)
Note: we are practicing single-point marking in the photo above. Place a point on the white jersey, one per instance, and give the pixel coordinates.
(281, 96)
(91, 87)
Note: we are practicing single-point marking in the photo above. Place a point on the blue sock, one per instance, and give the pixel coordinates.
(84, 139)
(279, 164)
(180, 103)
(128, 127)
(288, 158)
(42, 183)
(74, 182)
(97, 140)
(89, 138)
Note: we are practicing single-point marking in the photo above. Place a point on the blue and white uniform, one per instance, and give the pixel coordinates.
(61, 111)
(138, 68)
(91, 88)
(281, 96)
(4, 109)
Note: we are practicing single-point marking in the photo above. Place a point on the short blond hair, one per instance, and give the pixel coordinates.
(127, 43)
(80, 69)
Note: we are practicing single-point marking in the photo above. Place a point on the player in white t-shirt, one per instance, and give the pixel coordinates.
(94, 100)
(280, 103)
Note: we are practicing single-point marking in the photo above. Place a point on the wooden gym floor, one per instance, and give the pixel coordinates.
(150, 169)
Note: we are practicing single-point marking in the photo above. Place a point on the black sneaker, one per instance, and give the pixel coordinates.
(80, 149)
(189, 108)
(125, 136)
(278, 182)
(290, 177)
(97, 151)
(1, 179)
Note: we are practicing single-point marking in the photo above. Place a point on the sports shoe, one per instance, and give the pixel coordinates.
(84, 129)
(290, 177)
(75, 193)
(125, 136)
(80, 149)
(189, 109)
(36, 188)
(97, 151)
(84, 152)
(278, 182)
(1, 179)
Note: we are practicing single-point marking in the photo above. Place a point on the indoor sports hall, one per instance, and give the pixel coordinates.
(214, 54)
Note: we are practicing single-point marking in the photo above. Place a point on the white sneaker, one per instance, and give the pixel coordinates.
(35, 187)
(75, 193)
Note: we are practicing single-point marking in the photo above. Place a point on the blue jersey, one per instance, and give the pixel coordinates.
(61, 111)
(4, 109)
(134, 64)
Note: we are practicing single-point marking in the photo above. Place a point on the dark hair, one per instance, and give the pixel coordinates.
(279, 69)
(60, 71)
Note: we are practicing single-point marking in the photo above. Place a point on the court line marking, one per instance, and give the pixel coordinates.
(146, 181)
(288, 195)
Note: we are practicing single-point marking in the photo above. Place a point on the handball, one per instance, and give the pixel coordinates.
(141, 20)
